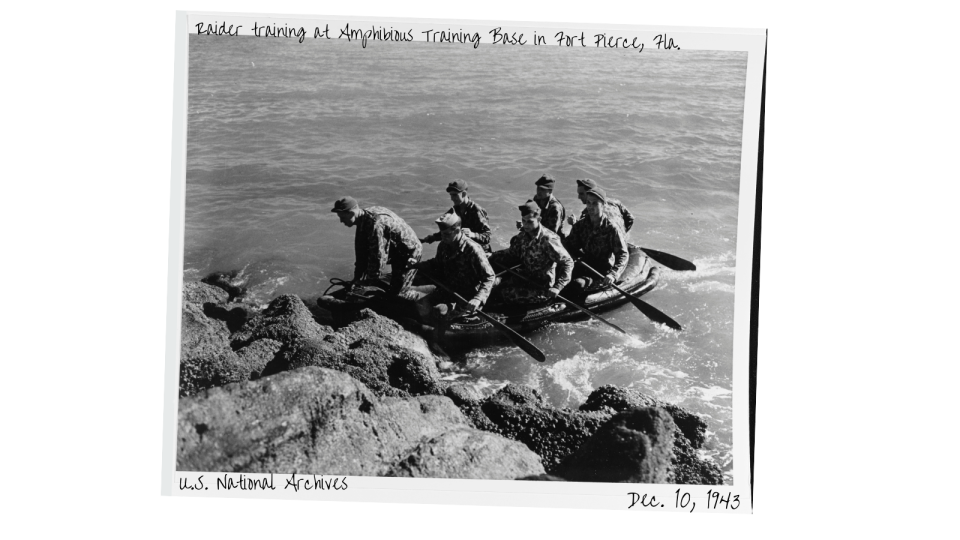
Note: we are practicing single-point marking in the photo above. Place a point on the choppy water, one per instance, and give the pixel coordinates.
(278, 130)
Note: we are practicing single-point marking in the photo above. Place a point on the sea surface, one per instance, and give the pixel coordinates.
(278, 130)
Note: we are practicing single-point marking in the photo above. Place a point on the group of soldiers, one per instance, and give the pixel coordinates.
(538, 265)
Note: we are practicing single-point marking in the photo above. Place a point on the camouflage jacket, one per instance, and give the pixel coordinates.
(617, 213)
(552, 214)
(543, 256)
(603, 247)
(472, 217)
(382, 237)
(463, 267)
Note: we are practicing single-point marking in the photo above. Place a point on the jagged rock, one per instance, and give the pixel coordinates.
(286, 320)
(206, 359)
(235, 315)
(519, 412)
(634, 446)
(377, 352)
(319, 421)
(201, 293)
(469, 453)
(690, 468)
(257, 355)
(224, 281)
(621, 399)
(462, 394)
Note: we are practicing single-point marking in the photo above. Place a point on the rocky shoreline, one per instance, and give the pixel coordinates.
(281, 390)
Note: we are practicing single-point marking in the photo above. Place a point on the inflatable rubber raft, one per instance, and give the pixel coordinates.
(639, 278)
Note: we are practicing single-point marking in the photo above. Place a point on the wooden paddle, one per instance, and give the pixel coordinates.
(568, 302)
(670, 261)
(516, 338)
(653, 313)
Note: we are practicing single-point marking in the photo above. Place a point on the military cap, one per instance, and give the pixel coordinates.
(345, 204)
(529, 207)
(546, 182)
(457, 185)
(587, 183)
(598, 193)
(447, 221)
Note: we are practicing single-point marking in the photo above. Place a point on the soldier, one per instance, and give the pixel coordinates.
(462, 266)
(616, 211)
(473, 219)
(381, 237)
(600, 243)
(543, 257)
(551, 211)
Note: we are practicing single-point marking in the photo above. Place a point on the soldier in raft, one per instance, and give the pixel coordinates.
(544, 259)
(473, 218)
(381, 237)
(616, 211)
(600, 243)
(462, 266)
(551, 211)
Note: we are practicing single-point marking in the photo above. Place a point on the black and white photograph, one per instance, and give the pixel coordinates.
(413, 252)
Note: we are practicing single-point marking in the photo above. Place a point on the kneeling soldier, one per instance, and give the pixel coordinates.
(381, 237)
(600, 243)
(543, 258)
(462, 266)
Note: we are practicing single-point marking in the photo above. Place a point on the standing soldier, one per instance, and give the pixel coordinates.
(616, 211)
(543, 257)
(473, 219)
(381, 237)
(462, 266)
(600, 243)
(551, 211)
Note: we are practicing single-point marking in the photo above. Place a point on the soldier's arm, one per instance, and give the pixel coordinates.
(620, 253)
(487, 279)
(481, 232)
(376, 251)
(430, 238)
(564, 262)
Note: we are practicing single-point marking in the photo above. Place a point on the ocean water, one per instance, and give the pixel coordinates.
(278, 130)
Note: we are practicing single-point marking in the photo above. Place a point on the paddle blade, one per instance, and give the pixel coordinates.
(516, 338)
(670, 261)
(653, 313)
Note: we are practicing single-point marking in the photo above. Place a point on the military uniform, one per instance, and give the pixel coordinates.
(602, 247)
(617, 213)
(545, 262)
(462, 267)
(472, 217)
(552, 214)
(383, 237)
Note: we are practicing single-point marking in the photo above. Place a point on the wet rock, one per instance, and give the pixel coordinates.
(462, 394)
(234, 315)
(621, 399)
(257, 355)
(201, 293)
(469, 453)
(226, 281)
(286, 320)
(319, 421)
(519, 412)
(634, 446)
(377, 352)
(690, 468)
(206, 359)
